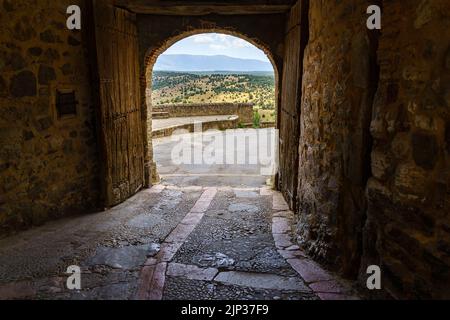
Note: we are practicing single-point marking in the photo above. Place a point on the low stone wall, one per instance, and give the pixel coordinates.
(231, 123)
(265, 125)
(243, 110)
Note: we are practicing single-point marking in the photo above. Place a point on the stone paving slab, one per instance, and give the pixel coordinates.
(281, 225)
(129, 257)
(282, 240)
(279, 204)
(309, 270)
(262, 281)
(331, 286)
(191, 272)
(289, 254)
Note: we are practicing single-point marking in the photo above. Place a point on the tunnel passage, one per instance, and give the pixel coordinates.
(364, 121)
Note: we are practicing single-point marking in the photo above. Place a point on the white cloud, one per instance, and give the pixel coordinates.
(216, 43)
(203, 38)
(218, 47)
(240, 43)
(221, 41)
(222, 37)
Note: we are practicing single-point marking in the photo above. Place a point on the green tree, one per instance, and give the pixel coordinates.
(256, 119)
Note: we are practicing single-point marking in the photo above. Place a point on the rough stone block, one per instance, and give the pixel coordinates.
(410, 179)
(46, 75)
(282, 241)
(280, 225)
(279, 204)
(261, 280)
(191, 272)
(425, 150)
(309, 270)
(23, 84)
(381, 165)
(328, 287)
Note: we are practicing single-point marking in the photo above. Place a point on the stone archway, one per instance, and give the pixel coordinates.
(155, 51)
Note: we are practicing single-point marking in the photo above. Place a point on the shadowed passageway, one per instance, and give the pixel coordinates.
(205, 232)
(170, 243)
(364, 154)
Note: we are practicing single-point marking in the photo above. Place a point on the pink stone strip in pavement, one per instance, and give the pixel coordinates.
(153, 274)
(17, 290)
(325, 285)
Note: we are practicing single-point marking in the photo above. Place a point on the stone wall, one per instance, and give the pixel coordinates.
(222, 125)
(374, 178)
(338, 88)
(408, 226)
(48, 165)
(243, 110)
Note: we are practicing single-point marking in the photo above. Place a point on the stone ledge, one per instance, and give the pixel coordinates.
(243, 110)
(231, 123)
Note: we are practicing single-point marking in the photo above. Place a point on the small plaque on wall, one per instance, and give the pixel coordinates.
(66, 103)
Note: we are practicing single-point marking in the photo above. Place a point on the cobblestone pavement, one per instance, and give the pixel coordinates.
(205, 232)
(170, 243)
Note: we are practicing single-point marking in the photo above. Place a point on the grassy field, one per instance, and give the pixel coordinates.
(201, 87)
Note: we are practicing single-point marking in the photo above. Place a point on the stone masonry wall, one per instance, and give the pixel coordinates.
(380, 100)
(243, 110)
(48, 166)
(335, 138)
(408, 227)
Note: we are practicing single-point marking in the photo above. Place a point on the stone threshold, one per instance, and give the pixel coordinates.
(238, 278)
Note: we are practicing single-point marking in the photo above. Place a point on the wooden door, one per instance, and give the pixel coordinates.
(121, 131)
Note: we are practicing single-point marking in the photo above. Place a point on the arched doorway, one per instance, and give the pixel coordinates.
(151, 59)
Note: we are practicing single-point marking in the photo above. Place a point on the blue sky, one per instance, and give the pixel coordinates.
(211, 44)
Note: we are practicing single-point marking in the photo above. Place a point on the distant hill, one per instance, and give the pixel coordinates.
(197, 63)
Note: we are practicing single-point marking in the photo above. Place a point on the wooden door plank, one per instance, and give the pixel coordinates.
(121, 119)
